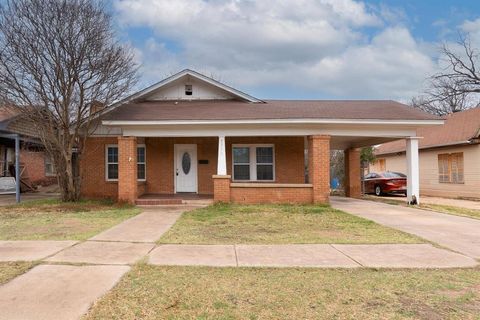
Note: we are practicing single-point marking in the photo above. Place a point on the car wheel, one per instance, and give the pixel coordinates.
(378, 191)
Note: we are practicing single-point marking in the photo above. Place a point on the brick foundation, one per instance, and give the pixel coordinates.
(127, 169)
(319, 167)
(353, 187)
(221, 188)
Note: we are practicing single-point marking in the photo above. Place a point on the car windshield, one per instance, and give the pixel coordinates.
(394, 175)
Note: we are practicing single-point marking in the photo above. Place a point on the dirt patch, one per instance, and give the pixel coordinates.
(422, 310)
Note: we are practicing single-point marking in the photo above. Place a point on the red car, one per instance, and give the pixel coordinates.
(385, 182)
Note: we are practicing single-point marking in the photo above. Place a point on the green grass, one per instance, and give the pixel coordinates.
(54, 220)
(150, 292)
(278, 224)
(458, 211)
(9, 270)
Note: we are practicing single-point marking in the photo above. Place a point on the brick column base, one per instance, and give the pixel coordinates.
(127, 169)
(319, 167)
(221, 188)
(353, 188)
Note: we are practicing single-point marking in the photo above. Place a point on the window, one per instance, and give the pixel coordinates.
(141, 163)
(112, 162)
(253, 163)
(450, 168)
(49, 167)
(188, 89)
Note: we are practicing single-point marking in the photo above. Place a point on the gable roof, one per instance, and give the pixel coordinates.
(270, 109)
(459, 128)
(187, 72)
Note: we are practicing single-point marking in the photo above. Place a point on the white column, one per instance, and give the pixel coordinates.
(413, 172)
(222, 158)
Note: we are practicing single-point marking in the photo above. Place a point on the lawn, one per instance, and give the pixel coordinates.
(9, 270)
(150, 292)
(458, 211)
(53, 220)
(278, 224)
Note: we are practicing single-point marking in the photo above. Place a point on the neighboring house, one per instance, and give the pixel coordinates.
(190, 134)
(449, 156)
(35, 165)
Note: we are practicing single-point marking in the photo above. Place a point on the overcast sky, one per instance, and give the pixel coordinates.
(297, 49)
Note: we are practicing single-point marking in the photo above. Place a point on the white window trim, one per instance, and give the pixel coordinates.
(253, 161)
(49, 174)
(116, 146)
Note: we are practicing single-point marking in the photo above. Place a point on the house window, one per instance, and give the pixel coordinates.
(188, 89)
(450, 167)
(141, 163)
(112, 162)
(49, 167)
(253, 163)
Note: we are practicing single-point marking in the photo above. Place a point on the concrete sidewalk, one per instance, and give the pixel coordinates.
(310, 255)
(460, 234)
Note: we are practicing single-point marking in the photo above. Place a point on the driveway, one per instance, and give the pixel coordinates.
(460, 234)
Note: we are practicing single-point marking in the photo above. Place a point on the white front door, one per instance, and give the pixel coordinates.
(185, 168)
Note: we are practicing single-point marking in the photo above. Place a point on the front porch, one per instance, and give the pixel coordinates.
(152, 170)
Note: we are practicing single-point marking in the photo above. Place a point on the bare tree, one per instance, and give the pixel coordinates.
(60, 61)
(457, 87)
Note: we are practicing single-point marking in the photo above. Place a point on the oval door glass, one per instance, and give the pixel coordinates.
(186, 163)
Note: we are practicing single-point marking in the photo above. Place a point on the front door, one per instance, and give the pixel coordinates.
(185, 168)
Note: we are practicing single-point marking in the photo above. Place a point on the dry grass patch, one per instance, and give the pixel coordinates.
(54, 220)
(149, 292)
(278, 224)
(458, 211)
(10, 270)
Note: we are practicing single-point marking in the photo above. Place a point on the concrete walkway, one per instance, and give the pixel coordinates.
(66, 291)
(457, 233)
(310, 255)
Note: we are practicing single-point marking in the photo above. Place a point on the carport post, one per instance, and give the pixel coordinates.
(17, 168)
(413, 172)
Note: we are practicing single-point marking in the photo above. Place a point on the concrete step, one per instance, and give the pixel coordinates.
(157, 202)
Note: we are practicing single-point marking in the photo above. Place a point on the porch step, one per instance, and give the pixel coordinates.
(157, 202)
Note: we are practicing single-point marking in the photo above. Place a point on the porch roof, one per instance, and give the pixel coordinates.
(223, 110)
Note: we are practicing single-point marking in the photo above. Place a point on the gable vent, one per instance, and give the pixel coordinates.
(188, 89)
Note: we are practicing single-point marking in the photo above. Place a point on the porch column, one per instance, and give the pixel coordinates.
(127, 169)
(413, 178)
(221, 181)
(353, 187)
(319, 167)
(222, 158)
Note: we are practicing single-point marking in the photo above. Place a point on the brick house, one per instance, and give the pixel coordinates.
(35, 164)
(189, 135)
(449, 156)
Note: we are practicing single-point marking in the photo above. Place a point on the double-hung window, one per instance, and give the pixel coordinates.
(450, 168)
(141, 163)
(111, 165)
(253, 163)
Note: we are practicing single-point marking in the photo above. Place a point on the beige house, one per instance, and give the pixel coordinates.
(449, 157)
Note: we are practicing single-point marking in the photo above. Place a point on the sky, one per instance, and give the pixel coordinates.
(298, 49)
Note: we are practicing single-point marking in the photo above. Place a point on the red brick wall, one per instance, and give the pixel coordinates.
(289, 163)
(252, 195)
(92, 170)
(34, 162)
